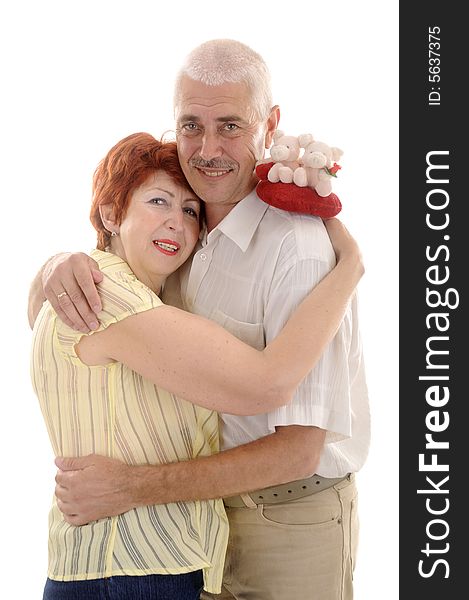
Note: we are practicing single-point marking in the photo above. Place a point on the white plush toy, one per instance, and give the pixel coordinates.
(285, 153)
(317, 165)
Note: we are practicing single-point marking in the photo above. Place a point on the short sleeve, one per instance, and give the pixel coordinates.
(122, 295)
(323, 397)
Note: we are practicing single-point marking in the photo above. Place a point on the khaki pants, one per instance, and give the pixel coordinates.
(299, 550)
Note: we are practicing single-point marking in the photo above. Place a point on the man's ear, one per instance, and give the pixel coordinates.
(105, 211)
(272, 124)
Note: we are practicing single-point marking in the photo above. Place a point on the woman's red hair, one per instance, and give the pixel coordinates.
(125, 167)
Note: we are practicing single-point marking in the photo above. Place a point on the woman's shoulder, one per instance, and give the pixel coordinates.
(122, 294)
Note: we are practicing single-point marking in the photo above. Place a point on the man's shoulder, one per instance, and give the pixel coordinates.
(295, 222)
(304, 235)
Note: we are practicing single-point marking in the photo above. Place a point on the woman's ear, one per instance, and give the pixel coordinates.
(105, 211)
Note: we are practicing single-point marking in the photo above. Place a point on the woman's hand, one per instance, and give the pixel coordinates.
(345, 246)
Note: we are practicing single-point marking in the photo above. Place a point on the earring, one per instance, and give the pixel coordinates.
(114, 233)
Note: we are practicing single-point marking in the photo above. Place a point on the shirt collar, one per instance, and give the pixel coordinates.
(110, 262)
(241, 222)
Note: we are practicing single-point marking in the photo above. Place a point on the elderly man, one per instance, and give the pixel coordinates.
(287, 477)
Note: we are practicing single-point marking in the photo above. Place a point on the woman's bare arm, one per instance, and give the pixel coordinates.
(203, 363)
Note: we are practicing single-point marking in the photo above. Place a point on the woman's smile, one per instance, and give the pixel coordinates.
(168, 247)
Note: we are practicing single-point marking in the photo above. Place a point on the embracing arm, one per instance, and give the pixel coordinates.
(94, 487)
(201, 362)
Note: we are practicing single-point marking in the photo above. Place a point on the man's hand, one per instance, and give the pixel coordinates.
(69, 283)
(93, 487)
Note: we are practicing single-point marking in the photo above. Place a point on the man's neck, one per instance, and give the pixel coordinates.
(215, 213)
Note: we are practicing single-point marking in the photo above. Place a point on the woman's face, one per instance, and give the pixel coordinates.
(160, 229)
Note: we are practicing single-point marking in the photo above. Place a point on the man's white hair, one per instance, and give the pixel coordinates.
(222, 61)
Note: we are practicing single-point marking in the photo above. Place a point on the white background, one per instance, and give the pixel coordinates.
(76, 78)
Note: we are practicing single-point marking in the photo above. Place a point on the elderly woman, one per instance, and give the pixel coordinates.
(145, 386)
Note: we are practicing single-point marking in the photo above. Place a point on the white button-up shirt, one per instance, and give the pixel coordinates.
(249, 274)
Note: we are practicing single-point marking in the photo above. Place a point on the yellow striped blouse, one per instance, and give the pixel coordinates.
(111, 410)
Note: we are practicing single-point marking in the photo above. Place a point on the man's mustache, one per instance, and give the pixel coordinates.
(213, 163)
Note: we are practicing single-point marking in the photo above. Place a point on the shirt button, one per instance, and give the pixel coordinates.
(203, 256)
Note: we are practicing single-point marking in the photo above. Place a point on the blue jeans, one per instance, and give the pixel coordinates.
(186, 586)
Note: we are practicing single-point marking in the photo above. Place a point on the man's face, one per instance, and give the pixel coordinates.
(219, 139)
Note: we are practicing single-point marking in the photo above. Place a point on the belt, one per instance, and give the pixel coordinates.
(284, 492)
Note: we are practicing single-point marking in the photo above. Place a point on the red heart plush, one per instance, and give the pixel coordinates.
(293, 198)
